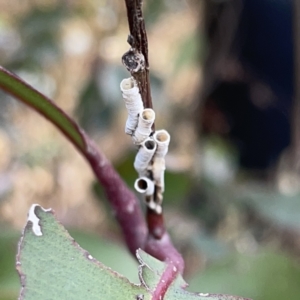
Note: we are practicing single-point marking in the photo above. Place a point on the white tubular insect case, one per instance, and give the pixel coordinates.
(133, 102)
(144, 186)
(143, 130)
(162, 139)
(150, 159)
(144, 156)
(158, 170)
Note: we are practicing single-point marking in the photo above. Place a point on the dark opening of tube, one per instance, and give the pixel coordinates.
(142, 184)
(150, 145)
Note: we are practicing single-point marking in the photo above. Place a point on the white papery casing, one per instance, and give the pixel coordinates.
(145, 122)
(162, 139)
(133, 102)
(146, 186)
(158, 171)
(144, 156)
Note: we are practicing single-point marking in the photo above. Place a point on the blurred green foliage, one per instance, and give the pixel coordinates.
(9, 280)
(153, 10)
(282, 210)
(38, 31)
(262, 276)
(188, 52)
(92, 111)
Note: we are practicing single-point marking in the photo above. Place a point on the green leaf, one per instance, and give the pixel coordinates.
(53, 266)
(151, 272)
(107, 251)
(15, 86)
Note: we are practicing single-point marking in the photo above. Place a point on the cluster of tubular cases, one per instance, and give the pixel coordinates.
(153, 146)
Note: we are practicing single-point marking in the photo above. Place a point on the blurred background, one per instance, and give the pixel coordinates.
(222, 76)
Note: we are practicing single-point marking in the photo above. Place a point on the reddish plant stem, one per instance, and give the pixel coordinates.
(164, 250)
(158, 242)
(155, 223)
(165, 281)
(128, 213)
(124, 203)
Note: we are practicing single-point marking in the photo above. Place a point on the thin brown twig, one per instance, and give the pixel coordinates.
(136, 59)
(137, 63)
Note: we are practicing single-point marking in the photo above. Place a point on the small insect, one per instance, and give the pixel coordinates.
(139, 297)
(133, 61)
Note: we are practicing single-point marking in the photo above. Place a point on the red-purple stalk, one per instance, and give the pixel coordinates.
(124, 203)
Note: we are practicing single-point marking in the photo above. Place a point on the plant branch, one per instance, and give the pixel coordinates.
(164, 250)
(137, 63)
(125, 205)
(136, 59)
(123, 202)
(15, 86)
